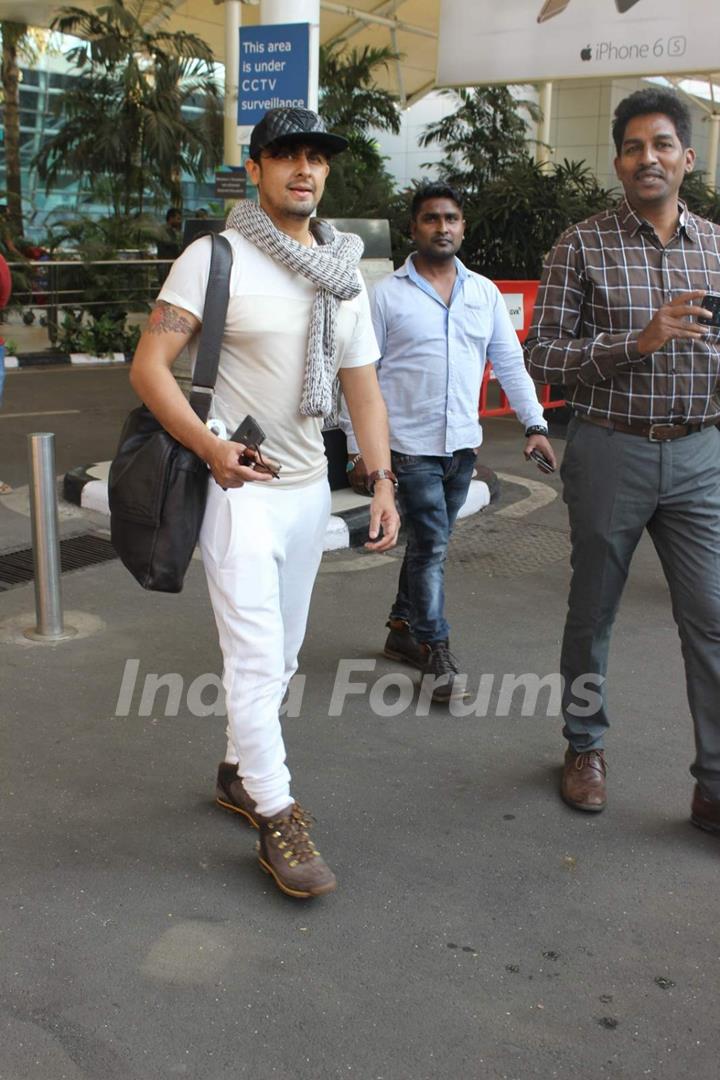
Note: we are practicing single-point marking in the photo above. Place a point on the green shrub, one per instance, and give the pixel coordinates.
(98, 336)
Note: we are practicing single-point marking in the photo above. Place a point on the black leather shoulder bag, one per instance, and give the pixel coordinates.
(157, 488)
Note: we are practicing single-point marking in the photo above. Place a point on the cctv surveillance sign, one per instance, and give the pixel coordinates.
(274, 69)
(486, 41)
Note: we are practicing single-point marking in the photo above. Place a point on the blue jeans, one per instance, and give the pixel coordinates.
(431, 491)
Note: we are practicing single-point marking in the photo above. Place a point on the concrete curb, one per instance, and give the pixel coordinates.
(86, 486)
(59, 359)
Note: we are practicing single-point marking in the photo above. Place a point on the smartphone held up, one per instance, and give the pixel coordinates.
(543, 463)
(711, 302)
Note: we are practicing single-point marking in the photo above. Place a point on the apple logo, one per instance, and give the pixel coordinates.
(586, 53)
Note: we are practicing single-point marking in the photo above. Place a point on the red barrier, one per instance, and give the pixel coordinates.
(5, 283)
(520, 299)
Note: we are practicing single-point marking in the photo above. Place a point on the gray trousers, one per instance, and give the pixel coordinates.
(615, 486)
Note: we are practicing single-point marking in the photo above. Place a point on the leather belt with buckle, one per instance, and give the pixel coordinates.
(652, 432)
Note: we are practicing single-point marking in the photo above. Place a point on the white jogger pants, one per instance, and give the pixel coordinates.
(261, 548)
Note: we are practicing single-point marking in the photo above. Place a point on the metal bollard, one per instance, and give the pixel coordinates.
(46, 547)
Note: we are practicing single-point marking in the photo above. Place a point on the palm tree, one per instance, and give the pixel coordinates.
(13, 34)
(484, 135)
(350, 99)
(351, 102)
(124, 120)
(179, 143)
(515, 209)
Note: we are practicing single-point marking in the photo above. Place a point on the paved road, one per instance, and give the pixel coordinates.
(84, 408)
(481, 931)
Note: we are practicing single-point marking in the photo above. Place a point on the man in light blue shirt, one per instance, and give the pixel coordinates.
(436, 323)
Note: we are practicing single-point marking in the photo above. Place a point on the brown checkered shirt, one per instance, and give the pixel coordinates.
(602, 283)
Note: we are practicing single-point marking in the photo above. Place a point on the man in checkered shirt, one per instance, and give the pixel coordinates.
(617, 324)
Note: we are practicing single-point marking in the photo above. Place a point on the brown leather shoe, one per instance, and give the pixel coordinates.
(401, 645)
(230, 793)
(286, 851)
(583, 780)
(705, 813)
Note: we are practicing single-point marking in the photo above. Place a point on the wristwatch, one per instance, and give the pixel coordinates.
(535, 429)
(380, 474)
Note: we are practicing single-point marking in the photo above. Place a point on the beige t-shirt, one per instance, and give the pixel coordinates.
(262, 360)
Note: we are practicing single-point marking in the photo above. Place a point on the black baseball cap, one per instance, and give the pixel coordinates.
(293, 125)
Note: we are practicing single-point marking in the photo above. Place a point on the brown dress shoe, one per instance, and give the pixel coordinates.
(286, 851)
(401, 645)
(583, 780)
(705, 813)
(230, 793)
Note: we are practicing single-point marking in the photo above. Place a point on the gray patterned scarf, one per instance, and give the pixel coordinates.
(333, 268)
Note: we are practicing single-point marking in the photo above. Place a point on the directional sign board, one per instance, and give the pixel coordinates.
(231, 185)
(274, 69)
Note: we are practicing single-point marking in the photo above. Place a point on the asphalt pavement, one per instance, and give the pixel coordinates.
(481, 929)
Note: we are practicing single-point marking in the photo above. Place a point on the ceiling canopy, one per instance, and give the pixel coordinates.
(410, 27)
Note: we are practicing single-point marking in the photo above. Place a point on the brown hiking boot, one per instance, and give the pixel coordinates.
(583, 780)
(286, 851)
(441, 674)
(401, 645)
(230, 793)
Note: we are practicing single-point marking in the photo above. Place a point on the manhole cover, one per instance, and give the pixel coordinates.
(490, 545)
(501, 548)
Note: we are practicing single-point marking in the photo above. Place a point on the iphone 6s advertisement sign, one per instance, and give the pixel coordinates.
(484, 41)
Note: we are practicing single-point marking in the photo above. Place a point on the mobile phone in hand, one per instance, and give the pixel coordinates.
(541, 461)
(248, 432)
(711, 302)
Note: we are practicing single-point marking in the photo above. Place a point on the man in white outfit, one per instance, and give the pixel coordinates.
(298, 315)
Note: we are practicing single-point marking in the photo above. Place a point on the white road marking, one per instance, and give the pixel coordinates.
(360, 562)
(540, 495)
(48, 412)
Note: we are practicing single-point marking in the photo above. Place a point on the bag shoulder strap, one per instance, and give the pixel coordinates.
(213, 325)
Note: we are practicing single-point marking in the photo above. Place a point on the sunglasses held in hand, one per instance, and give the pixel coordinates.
(252, 435)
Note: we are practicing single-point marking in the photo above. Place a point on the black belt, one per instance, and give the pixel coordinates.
(652, 432)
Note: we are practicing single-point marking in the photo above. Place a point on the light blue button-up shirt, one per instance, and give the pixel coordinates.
(433, 357)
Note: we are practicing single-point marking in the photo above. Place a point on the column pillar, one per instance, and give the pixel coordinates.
(543, 152)
(231, 148)
(712, 165)
(299, 11)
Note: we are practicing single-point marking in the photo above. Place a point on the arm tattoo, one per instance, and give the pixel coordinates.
(166, 319)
